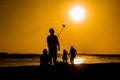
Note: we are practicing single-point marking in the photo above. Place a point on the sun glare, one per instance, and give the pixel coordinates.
(77, 13)
(78, 60)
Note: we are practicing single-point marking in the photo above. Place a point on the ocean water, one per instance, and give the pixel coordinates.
(81, 59)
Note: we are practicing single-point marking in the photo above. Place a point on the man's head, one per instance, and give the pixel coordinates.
(71, 47)
(51, 30)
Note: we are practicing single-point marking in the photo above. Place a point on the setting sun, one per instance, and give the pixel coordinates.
(77, 13)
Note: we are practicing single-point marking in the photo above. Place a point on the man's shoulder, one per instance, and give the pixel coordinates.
(52, 36)
(48, 36)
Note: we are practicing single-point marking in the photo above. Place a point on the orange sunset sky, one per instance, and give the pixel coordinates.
(24, 25)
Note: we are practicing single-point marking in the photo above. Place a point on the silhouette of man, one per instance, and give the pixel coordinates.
(73, 53)
(53, 46)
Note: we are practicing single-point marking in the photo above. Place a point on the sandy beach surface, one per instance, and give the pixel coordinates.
(62, 71)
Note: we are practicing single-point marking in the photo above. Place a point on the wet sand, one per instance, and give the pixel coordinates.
(61, 71)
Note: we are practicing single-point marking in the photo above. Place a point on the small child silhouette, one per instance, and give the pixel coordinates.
(44, 58)
(65, 55)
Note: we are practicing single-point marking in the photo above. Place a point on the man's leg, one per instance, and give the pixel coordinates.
(55, 58)
(50, 58)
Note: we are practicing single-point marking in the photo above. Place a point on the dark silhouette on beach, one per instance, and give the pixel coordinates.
(65, 56)
(53, 46)
(72, 54)
(44, 58)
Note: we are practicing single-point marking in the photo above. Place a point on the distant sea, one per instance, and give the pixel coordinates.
(35, 61)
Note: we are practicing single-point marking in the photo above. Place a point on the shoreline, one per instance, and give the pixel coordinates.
(63, 71)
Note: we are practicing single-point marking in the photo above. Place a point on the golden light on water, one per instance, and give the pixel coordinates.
(78, 60)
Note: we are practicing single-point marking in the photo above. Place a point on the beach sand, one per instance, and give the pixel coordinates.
(61, 71)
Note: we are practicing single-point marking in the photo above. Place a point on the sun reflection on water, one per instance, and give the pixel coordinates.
(79, 60)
